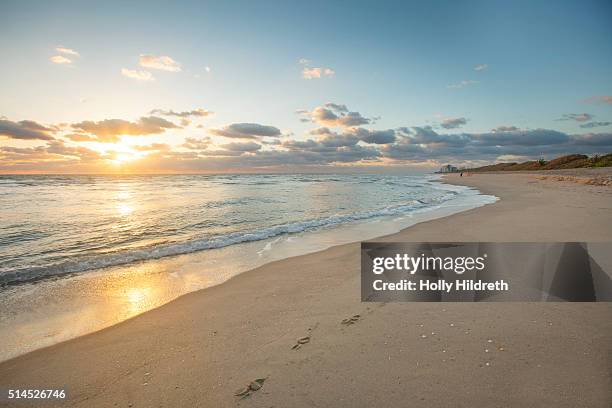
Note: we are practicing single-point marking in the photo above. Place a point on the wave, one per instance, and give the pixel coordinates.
(178, 248)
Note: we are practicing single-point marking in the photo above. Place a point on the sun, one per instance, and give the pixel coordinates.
(124, 157)
(119, 158)
(122, 152)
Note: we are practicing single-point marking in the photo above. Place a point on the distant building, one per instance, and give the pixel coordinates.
(448, 169)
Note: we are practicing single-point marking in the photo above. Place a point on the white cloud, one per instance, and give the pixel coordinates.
(462, 84)
(60, 59)
(328, 72)
(303, 61)
(139, 75)
(198, 112)
(69, 51)
(481, 67)
(311, 73)
(316, 72)
(162, 62)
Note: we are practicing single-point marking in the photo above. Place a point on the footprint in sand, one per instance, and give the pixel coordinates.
(253, 386)
(351, 320)
(306, 339)
(301, 341)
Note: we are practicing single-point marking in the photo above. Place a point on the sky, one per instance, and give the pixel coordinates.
(174, 87)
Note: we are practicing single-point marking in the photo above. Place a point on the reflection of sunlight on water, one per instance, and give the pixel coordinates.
(124, 194)
(140, 288)
(138, 299)
(124, 209)
(124, 204)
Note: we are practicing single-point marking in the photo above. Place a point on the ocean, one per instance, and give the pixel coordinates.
(80, 253)
(53, 225)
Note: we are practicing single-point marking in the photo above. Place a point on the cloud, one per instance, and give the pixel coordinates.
(413, 145)
(595, 124)
(184, 114)
(335, 115)
(578, 117)
(481, 67)
(52, 157)
(163, 63)
(462, 84)
(246, 131)
(192, 143)
(604, 99)
(326, 152)
(55, 147)
(242, 147)
(425, 135)
(336, 107)
(58, 147)
(80, 137)
(68, 51)
(291, 155)
(593, 139)
(419, 143)
(262, 148)
(505, 129)
(272, 142)
(453, 123)
(378, 137)
(535, 137)
(60, 59)
(352, 136)
(153, 147)
(317, 72)
(139, 75)
(304, 61)
(109, 130)
(328, 138)
(310, 73)
(328, 72)
(24, 130)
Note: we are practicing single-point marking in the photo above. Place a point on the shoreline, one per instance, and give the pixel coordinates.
(192, 354)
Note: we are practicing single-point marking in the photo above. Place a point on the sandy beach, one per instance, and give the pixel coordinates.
(199, 349)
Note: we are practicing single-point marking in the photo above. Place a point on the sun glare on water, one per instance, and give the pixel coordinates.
(124, 209)
(138, 298)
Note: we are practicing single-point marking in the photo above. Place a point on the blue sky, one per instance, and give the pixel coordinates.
(399, 64)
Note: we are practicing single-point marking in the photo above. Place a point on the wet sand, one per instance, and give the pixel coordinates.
(199, 349)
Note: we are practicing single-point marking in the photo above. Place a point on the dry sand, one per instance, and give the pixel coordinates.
(201, 348)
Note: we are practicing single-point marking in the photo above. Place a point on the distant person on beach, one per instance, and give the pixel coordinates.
(461, 174)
